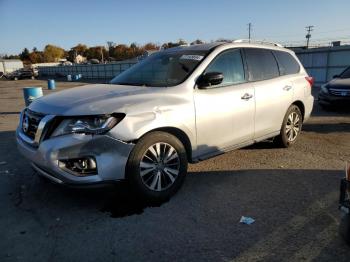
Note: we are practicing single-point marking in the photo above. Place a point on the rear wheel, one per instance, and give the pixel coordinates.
(157, 166)
(291, 127)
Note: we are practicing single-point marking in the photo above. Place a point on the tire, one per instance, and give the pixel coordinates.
(285, 138)
(157, 166)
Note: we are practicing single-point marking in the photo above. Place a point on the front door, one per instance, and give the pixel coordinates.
(225, 113)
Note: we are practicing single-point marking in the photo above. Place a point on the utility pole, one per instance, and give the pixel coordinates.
(249, 30)
(309, 29)
(102, 54)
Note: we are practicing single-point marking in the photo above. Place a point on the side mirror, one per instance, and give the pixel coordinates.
(336, 76)
(209, 79)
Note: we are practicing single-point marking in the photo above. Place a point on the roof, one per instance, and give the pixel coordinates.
(200, 47)
(237, 43)
(10, 60)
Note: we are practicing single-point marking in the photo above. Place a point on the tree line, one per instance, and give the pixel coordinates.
(110, 52)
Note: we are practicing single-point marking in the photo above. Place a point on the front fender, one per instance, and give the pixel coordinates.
(135, 125)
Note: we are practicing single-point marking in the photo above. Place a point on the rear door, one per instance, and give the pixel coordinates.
(225, 112)
(273, 94)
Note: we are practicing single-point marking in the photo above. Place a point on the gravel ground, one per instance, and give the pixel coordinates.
(291, 193)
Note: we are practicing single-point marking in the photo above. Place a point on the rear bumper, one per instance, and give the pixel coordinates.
(111, 156)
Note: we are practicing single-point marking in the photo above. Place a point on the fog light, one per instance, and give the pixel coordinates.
(85, 166)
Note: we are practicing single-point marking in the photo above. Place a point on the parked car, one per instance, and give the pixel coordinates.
(180, 105)
(344, 206)
(337, 91)
(23, 73)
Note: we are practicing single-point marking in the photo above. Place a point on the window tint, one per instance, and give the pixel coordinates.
(261, 64)
(287, 63)
(230, 64)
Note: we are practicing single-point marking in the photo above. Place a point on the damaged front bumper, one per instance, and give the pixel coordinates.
(111, 156)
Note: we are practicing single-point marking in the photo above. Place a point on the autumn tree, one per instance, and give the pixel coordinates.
(36, 57)
(53, 53)
(97, 52)
(79, 49)
(150, 46)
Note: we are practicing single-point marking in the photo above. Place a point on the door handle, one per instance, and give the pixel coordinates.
(287, 88)
(247, 96)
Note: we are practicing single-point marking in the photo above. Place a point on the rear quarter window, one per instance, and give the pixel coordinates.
(287, 63)
(261, 63)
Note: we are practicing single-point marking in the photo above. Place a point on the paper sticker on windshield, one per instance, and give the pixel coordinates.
(192, 57)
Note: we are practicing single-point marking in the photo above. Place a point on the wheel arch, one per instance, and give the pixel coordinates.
(301, 106)
(179, 134)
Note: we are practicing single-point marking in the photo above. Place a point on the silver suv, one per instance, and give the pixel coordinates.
(180, 105)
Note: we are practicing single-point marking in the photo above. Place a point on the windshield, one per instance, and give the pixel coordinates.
(346, 73)
(163, 69)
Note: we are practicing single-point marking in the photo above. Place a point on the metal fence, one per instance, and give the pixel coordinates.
(324, 63)
(98, 71)
(321, 63)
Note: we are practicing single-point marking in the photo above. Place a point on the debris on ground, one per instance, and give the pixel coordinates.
(246, 220)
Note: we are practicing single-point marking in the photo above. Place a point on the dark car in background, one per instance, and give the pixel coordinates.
(337, 91)
(23, 73)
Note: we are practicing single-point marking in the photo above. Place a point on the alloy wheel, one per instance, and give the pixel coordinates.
(292, 126)
(159, 166)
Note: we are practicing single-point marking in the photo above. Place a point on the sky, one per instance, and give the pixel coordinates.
(35, 23)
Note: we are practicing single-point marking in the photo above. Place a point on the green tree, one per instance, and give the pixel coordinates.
(97, 52)
(197, 42)
(24, 55)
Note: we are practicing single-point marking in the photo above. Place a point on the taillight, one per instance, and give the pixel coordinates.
(347, 171)
(310, 79)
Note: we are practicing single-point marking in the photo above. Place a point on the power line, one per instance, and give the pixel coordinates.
(309, 29)
(318, 33)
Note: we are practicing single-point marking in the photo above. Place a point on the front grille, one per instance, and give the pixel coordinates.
(30, 123)
(339, 92)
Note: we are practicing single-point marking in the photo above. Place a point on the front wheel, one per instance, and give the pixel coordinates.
(291, 127)
(157, 166)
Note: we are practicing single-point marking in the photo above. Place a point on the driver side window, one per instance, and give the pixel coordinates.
(230, 64)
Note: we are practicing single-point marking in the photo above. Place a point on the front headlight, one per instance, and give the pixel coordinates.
(324, 89)
(86, 125)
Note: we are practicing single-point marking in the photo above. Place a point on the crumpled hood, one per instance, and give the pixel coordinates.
(339, 83)
(93, 99)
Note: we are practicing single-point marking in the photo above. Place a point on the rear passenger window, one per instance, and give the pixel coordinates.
(230, 64)
(261, 63)
(287, 63)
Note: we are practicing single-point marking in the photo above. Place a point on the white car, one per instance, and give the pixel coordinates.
(180, 105)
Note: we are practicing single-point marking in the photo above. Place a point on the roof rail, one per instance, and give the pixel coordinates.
(256, 42)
